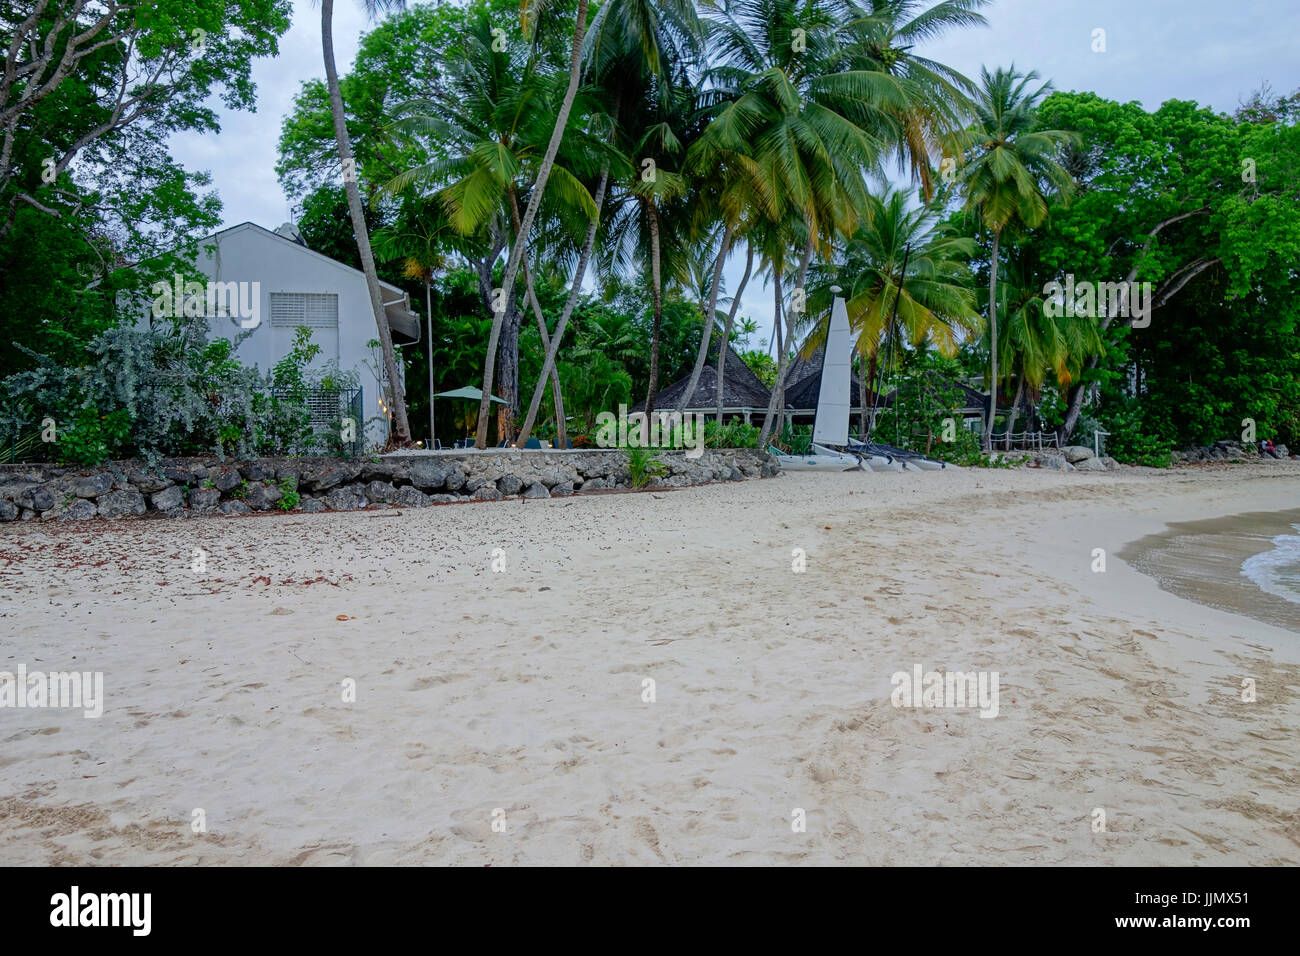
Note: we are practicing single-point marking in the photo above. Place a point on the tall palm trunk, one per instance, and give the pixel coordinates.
(541, 327)
(517, 249)
(707, 332)
(557, 394)
(428, 321)
(782, 367)
(871, 381)
(656, 291)
(777, 397)
(993, 342)
(356, 211)
(725, 345)
(1014, 413)
(560, 327)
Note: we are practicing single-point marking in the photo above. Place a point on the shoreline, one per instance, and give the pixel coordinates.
(523, 691)
(1202, 561)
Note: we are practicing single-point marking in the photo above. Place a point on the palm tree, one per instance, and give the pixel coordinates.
(890, 307)
(726, 178)
(528, 10)
(1009, 166)
(639, 54)
(787, 98)
(485, 136)
(356, 211)
(1036, 342)
(883, 35)
(634, 54)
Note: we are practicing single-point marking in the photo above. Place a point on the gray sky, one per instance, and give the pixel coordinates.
(1212, 52)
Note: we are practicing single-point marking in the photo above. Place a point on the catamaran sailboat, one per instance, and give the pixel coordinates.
(831, 426)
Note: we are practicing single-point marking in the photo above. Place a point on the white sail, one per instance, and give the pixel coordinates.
(831, 425)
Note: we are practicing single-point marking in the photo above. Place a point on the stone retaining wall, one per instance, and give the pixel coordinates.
(196, 486)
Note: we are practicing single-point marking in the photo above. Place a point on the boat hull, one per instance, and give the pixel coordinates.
(818, 463)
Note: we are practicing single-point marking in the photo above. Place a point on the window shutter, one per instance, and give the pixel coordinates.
(316, 310)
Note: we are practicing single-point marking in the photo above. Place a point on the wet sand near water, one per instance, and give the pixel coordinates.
(1201, 561)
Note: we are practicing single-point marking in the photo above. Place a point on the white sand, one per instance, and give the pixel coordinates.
(523, 690)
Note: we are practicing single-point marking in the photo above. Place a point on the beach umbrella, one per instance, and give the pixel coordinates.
(471, 393)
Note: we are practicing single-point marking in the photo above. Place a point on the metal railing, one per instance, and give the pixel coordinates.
(337, 419)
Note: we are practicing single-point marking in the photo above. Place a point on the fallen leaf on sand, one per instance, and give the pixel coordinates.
(340, 617)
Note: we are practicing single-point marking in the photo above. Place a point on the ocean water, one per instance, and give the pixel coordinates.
(1277, 570)
(1245, 564)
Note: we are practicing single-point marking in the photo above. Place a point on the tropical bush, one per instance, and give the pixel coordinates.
(642, 468)
(156, 393)
(733, 434)
(1138, 434)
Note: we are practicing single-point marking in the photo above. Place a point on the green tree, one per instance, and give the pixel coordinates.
(1009, 165)
(356, 211)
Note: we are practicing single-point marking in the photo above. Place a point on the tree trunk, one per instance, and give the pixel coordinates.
(993, 343)
(725, 346)
(428, 321)
(706, 333)
(397, 393)
(765, 434)
(871, 381)
(656, 291)
(778, 393)
(508, 383)
(560, 433)
(517, 249)
(1015, 410)
(569, 303)
(557, 395)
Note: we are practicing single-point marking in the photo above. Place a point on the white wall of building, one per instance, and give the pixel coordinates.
(249, 253)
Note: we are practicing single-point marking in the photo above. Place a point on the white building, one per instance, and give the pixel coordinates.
(285, 285)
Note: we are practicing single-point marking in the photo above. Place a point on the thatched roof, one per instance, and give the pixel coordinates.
(802, 367)
(741, 388)
(970, 397)
(807, 392)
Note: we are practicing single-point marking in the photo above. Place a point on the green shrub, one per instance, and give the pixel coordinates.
(1137, 437)
(733, 434)
(289, 496)
(642, 468)
(162, 392)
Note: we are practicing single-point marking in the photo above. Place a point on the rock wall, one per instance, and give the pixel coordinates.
(195, 486)
(1225, 450)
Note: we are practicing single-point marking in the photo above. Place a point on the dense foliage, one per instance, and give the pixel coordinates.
(699, 135)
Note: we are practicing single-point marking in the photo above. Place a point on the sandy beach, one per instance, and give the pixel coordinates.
(518, 697)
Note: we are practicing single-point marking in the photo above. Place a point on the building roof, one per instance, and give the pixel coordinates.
(807, 392)
(971, 398)
(404, 323)
(740, 389)
(802, 367)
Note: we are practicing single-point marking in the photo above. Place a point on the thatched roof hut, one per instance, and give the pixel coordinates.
(742, 392)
